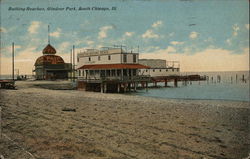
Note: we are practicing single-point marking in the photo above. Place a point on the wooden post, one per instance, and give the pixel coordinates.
(142, 84)
(175, 82)
(102, 88)
(155, 84)
(146, 86)
(73, 63)
(105, 87)
(118, 87)
(166, 83)
(125, 87)
(13, 63)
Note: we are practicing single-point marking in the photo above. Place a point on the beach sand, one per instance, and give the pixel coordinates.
(118, 126)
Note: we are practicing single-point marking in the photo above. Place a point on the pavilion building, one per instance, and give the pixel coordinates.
(50, 66)
(109, 70)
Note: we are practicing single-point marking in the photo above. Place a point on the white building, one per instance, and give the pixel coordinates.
(159, 68)
(109, 69)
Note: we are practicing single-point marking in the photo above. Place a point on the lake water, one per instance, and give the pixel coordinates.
(227, 89)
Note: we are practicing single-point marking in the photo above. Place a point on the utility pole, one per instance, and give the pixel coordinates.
(13, 65)
(71, 66)
(73, 63)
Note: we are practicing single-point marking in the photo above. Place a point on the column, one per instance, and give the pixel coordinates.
(175, 82)
(166, 83)
(101, 88)
(125, 87)
(105, 87)
(118, 87)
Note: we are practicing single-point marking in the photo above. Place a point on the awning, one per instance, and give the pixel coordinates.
(114, 66)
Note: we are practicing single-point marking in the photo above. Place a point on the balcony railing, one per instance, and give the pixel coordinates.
(116, 78)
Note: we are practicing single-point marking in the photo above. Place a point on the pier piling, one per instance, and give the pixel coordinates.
(175, 82)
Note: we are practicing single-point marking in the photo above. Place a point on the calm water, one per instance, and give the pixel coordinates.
(225, 90)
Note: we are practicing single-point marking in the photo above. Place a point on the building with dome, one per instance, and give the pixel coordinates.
(50, 66)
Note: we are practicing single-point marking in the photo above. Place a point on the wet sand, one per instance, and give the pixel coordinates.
(117, 126)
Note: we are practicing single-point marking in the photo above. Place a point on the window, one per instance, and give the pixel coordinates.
(113, 73)
(178, 69)
(109, 57)
(134, 58)
(108, 73)
(153, 70)
(82, 72)
(146, 70)
(79, 72)
(91, 72)
(89, 58)
(134, 72)
(124, 58)
(172, 69)
(160, 70)
(77, 59)
(99, 58)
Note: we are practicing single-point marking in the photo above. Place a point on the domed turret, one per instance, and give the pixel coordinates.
(49, 59)
(49, 50)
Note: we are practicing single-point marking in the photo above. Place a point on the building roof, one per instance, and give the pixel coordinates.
(49, 50)
(114, 66)
(49, 59)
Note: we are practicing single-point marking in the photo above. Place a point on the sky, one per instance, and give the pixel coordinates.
(204, 35)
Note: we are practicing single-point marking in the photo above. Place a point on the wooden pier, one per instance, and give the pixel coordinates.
(131, 84)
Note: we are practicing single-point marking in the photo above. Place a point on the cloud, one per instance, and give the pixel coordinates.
(236, 28)
(129, 34)
(176, 43)
(247, 26)
(211, 59)
(193, 35)
(56, 33)
(229, 41)
(3, 30)
(8, 49)
(24, 61)
(90, 42)
(34, 26)
(157, 24)
(150, 34)
(171, 34)
(103, 32)
(64, 47)
(170, 49)
(209, 39)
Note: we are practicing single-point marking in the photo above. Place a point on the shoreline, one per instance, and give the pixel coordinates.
(120, 126)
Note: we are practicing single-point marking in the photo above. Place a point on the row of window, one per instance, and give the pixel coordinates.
(108, 72)
(160, 70)
(109, 58)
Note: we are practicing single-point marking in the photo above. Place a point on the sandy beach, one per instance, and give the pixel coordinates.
(118, 126)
